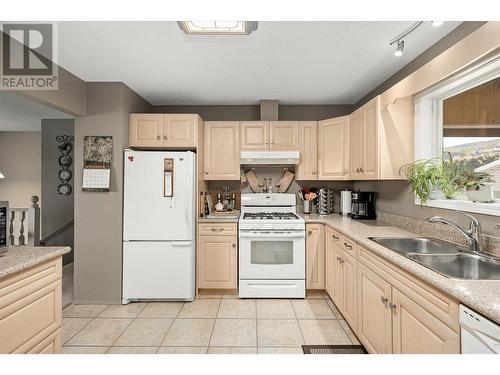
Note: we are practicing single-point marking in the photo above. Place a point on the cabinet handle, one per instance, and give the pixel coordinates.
(158, 137)
(361, 169)
(309, 232)
(347, 246)
(206, 172)
(336, 238)
(165, 137)
(314, 172)
(272, 142)
(338, 259)
(234, 245)
(341, 261)
(345, 172)
(216, 229)
(265, 142)
(384, 300)
(392, 306)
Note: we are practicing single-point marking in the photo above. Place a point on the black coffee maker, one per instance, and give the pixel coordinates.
(363, 205)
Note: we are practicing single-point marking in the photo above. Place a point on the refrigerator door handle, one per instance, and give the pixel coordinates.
(182, 243)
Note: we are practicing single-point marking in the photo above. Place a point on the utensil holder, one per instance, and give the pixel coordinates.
(306, 208)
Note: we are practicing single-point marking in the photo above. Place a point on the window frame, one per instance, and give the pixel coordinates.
(429, 125)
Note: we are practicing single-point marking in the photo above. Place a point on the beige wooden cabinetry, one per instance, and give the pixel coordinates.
(364, 143)
(222, 153)
(333, 149)
(217, 256)
(400, 314)
(315, 256)
(269, 135)
(308, 147)
(284, 136)
(330, 240)
(151, 130)
(31, 311)
(254, 135)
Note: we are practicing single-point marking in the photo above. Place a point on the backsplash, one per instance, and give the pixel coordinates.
(440, 231)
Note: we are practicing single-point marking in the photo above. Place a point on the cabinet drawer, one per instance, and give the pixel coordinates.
(30, 318)
(333, 235)
(218, 229)
(50, 345)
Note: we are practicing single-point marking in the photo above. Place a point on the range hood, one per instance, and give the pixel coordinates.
(269, 157)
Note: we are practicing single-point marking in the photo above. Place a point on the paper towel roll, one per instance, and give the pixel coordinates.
(345, 202)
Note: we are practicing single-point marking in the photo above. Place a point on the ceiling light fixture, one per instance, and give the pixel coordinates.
(218, 27)
(437, 23)
(399, 50)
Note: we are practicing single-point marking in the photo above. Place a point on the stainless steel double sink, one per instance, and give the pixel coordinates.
(445, 258)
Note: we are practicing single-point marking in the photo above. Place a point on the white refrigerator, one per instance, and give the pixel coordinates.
(159, 226)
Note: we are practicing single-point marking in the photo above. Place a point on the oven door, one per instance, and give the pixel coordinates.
(276, 255)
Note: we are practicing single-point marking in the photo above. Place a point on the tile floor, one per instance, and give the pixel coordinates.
(213, 324)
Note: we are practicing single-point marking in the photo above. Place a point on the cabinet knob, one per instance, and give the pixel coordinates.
(341, 261)
(309, 232)
(165, 137)
(392, 306)
(234, 245)
(314, 172)
(206, 172)
(272, 142)
(361, 169)
(384, 300)
(265, 142)
(158, 137)
(357, 170)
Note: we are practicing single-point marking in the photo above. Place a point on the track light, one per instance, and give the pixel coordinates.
(399, 50)
(437, 23)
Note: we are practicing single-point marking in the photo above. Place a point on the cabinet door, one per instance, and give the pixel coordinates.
(369, 137)
(333, 149)
(355, 144)
(338, 280)
(329, 262)
(374, 315)
(308, 147)
(217, 262)
(179, 130)
(222, 154)
(254, 135)
(145, 130)
(284, 135)
(350, 293)
(315, 256)
(416, 331)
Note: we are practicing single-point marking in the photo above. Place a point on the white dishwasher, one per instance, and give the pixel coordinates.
(479, 335)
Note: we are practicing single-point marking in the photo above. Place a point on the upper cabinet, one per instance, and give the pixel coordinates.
(265, 135)
(146, 130)
(284, 135)
(333, 149)
(222, 151)
(151, 130)
(364, 143)
(254, 135)
(308, 147)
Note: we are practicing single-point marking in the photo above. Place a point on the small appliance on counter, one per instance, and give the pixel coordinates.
(345, 202)
(325, 201)
(4, 213)
(363, 205)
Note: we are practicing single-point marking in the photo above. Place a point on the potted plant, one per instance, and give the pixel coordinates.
(478, 185)
(432, 178)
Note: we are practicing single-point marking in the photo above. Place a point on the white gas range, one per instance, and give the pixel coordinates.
(272, 247)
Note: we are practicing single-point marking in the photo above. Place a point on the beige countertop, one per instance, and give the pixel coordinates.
(480, 295)
(20, 258)
(220, 219)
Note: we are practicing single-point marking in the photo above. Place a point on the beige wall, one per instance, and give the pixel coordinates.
(20, 162)
(98, 215)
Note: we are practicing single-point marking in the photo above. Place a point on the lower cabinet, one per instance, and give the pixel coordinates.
(31, 310)
(374, 318)
(218, 259)
(315, 256)
(390, 310)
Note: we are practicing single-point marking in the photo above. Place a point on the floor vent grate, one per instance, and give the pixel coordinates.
(334, 349)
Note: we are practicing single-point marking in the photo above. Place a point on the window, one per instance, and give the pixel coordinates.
(460, 117)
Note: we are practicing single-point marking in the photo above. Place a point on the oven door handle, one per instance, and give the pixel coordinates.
(273, 234)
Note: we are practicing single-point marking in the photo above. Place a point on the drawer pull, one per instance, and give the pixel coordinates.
(347, 246)
(216, 229)
(336, 238)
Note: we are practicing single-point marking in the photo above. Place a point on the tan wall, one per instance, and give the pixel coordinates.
(20, 162)
(98, 216)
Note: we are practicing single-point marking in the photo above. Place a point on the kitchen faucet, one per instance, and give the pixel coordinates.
(473, 235)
